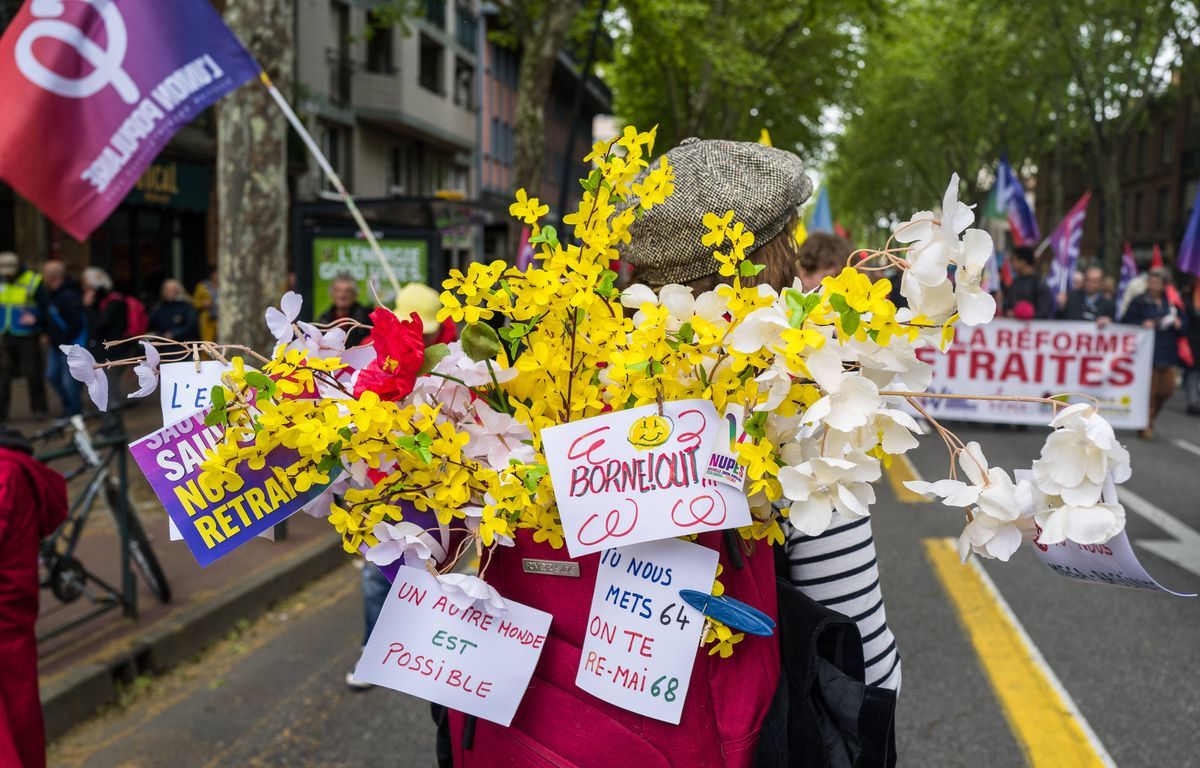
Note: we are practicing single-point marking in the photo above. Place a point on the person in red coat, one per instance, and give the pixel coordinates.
(33, 502)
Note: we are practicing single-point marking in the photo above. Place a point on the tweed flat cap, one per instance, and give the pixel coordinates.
(762, 185)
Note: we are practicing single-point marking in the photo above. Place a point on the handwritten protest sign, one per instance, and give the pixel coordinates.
(642, 638)
(429, 644)
(184, 390)
(637, 475)
(1113, 562)
(215, 521)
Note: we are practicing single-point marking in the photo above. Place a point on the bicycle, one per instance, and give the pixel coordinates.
(66, 577)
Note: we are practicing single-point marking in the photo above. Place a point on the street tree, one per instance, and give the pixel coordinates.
(252, 190)
(729, 68)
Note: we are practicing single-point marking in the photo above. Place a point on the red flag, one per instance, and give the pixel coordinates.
(1156, 261)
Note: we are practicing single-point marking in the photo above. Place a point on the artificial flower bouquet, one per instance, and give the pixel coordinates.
(826, 383)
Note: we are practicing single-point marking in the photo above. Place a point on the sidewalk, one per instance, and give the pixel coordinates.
(81, 669)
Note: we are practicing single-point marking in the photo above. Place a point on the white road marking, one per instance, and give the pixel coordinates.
(1189, 447)
(1184, 551)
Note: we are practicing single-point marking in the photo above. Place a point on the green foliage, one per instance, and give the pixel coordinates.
(729, 68)
(480, 342)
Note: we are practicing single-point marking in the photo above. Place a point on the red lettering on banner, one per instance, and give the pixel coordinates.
(978, 338)
(1004, 338)
(1121, 372)
(952, 361)
(1091, 371)
(1083, 342)
(1014, 368)
(1060, 378)
(982, 362)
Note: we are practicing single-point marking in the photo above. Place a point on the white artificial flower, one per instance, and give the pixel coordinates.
(465, 591)
(989, 488)
(497, 437)
(681, 305)
(473, 373)
(280, 320)
(1078, 455)
(82, 367)
(895, 365)
(454, 398)
(403, 540)
(147, 371)
(318, 343)
(892, 429)
(1083, 524)
(320, 506)
(357, 358)
(975, 305)
(850, 398)
(761, 328)
(937, 302)
(994, 538)
(929, 261)
(819, 486)
(778, 382)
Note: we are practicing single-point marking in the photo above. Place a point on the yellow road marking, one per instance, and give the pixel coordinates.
(1048, 727)
(901, 471)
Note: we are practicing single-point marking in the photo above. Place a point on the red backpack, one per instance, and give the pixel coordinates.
(562, 726)
(137, 320)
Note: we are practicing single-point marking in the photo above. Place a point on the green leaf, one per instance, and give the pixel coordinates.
(218, 397)
(331, 459)
(216, 416)
(755, 426)
(607, 286)
(548, 236)
(592, 182)
(686, 333)
(749, 268)
(850, 321)
(433, 355)
(838, 302)
(481, 342)
(639, 366)
(264, 387)
(801, 306)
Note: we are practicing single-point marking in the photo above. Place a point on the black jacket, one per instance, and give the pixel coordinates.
(107, 318)
(1166, 340)
(62, 312)
(358, 313)
(175, 320)
(1080, 306)
(1033, 289)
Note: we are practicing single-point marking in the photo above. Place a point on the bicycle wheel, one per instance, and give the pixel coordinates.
(141, 553)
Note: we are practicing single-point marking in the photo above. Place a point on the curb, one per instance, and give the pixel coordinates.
(81, 692)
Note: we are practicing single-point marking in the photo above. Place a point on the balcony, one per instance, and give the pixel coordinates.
(341, 78)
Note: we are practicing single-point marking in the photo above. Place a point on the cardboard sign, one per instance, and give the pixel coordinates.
(1113, 562)
(1041, 358)
(642, 638)
(215, 521)
(427, 645)
(633, 476)
(183, 391)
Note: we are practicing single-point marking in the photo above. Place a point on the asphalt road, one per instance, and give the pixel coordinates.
(1127, 660)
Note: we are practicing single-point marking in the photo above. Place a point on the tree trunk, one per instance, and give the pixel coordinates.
(252, 187)
(1112, 232)
(542, 45)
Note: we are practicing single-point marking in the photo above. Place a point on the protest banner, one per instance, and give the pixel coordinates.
(1043, 359)
(437, 645)
(93, 91)
(215, 521)
(1113, 562)
(638, 475)
(642, 638)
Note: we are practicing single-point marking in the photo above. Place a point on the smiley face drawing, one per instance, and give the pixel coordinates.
(650, 432)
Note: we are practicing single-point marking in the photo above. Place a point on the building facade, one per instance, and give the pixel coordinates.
(1160, 175)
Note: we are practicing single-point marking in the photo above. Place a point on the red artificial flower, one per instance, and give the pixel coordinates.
(399, 353)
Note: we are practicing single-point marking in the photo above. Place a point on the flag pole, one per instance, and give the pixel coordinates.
(313, 149)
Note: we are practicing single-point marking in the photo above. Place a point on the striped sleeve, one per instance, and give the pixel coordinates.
(838, 569)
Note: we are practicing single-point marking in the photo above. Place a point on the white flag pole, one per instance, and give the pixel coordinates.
(333, 177)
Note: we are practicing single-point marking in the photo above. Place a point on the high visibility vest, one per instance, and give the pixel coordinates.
(17, 298)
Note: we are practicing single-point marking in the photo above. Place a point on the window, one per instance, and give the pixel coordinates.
(431, 74)
(1168, 144)
(468, 28)
(335, 142)
(1162, 210)
(464, 84)
(1142, 154)
(435, 13)
(381, 38)
(1138, 213)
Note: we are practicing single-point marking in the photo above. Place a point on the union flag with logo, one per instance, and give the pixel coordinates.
(93, 90)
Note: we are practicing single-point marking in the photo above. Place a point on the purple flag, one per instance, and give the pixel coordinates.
(1010, 195)
(93, 90)
(1129, 271)
(1064, 240)
(1189, 252)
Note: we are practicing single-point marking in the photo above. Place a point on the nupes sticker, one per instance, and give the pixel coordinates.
(640, 475)
(433, 644)
(641, 636)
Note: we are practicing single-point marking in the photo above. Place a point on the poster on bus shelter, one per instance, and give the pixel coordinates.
(334, 257)
(1043, 358)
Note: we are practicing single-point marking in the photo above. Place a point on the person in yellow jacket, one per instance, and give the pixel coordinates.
(205, 300)
(20, 334)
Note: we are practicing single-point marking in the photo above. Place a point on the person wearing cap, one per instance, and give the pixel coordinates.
(344, 292)
(765, 187)
(20, 334)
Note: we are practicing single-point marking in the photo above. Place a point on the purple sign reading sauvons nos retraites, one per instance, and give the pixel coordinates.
(216, 521)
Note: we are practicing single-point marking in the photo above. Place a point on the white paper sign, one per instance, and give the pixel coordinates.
(1113, 562)
(642, 638)
(723, 466)
(633, 476)
(426, 645)
(184, 391)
